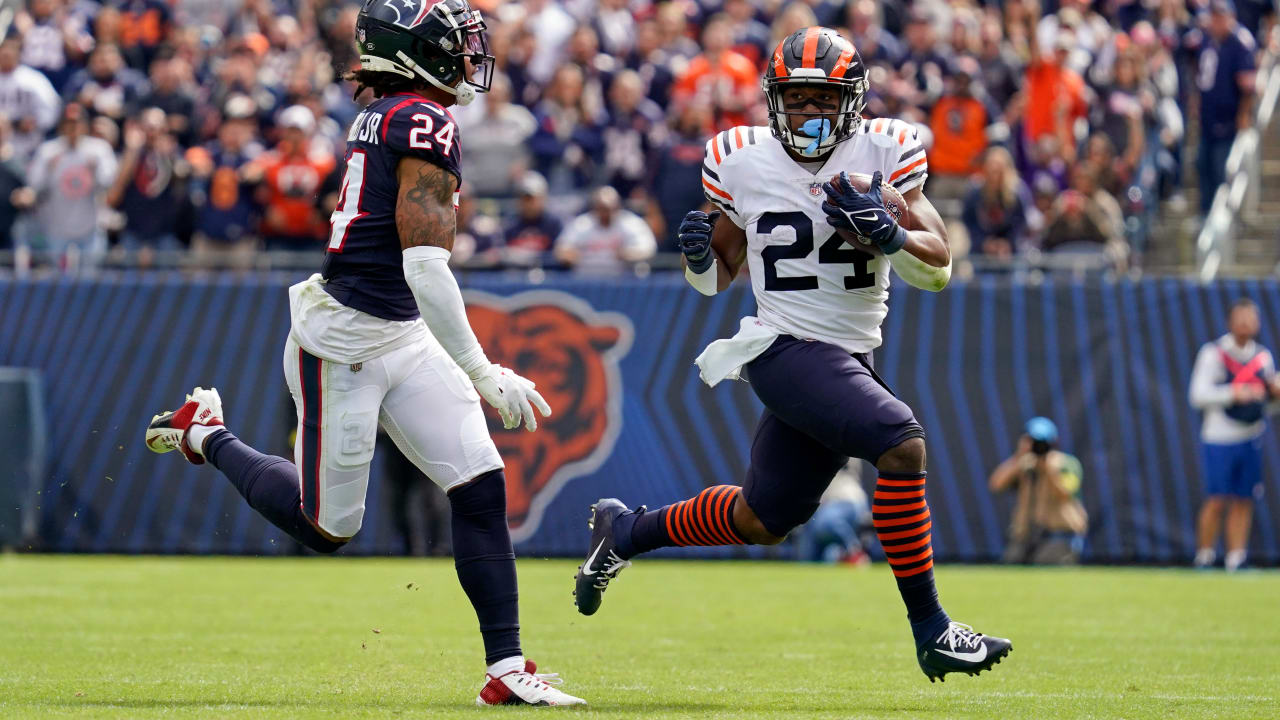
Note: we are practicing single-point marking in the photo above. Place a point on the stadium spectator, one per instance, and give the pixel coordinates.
(959, 122)
(597, 68)
(750, 36)
(673, 28)
(55, 36)
(569, 142)
(145, 25)
(293, 174)
(718, 72)
(926, 60)
(998, 208)
(224, 189)
(636, 127)
(1225, 77)
(1054, 93)
(477, 242)
(493, 166)
(150, 187)
(1049, 521)
(615, 26)
(531, 235)
(1234, 383)
(550, 26)
(65, 185)
(26, 99)
(651, 60)
(1001, 69)
(167, 93)
(607, 239)
(677, 179)
(107, 87)
(12, 177)
(876, 45)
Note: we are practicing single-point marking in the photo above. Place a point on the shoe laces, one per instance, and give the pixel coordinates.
(613, 565)
(537, 681)
(959, 635)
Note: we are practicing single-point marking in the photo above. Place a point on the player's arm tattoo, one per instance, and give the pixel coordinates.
(424, 208)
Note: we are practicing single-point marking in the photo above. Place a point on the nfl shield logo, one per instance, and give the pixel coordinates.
(815, 189)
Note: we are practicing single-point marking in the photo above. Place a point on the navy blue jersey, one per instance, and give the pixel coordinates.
(362, 266)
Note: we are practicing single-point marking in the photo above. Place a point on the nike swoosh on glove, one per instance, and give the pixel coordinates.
(513, 396)
(863, 214)
(694, 237)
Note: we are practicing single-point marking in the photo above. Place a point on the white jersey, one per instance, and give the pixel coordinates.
(808, 282)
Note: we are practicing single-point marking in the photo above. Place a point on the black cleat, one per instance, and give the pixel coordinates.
(603, 563)
(960, 649)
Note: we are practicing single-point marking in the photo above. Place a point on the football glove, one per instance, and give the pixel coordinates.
(513, 396)
(863, 214)
(694, 237)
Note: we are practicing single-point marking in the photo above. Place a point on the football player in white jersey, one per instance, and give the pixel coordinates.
(820, 251)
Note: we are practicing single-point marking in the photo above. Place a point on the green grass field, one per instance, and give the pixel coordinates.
(117, 637)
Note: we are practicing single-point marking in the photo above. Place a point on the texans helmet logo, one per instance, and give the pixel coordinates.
(571, 351)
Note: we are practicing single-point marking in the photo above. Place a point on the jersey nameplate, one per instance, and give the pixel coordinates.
(365, 128)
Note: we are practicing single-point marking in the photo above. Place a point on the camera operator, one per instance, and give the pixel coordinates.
(1049, 522)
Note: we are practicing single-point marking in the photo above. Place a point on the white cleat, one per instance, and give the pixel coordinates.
(168, 430)
(525, 687)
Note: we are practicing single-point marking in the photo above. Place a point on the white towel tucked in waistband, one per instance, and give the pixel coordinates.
(724, 358)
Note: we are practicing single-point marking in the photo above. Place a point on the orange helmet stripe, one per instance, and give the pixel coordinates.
(779, 67)
(842, 64)
(809, 59)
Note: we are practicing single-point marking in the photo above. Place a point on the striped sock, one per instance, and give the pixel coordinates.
(901, 517)
(704, 519)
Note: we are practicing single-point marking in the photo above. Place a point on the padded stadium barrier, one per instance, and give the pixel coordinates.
(1109, 362)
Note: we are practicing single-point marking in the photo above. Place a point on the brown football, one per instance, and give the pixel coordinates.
(893, 201)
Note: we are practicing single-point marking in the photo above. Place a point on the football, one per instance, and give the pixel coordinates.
(893, 200)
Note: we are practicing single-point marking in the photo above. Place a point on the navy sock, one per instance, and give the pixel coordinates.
(705, 519)
(486, 562)
(269, 484)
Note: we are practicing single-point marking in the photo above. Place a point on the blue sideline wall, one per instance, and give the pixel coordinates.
(1108, 361)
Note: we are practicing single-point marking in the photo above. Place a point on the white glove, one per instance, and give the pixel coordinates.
(512, 395)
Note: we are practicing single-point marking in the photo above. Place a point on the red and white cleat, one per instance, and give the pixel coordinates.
(168, 430)
(526, 687)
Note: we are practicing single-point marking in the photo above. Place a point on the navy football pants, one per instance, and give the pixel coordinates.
(822, 406)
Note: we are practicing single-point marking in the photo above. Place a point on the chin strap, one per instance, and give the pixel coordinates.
(464, 92)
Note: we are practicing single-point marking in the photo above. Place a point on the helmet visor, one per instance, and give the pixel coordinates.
(475, 51)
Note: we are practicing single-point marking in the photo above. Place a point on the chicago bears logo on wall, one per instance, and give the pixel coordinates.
(571, 352)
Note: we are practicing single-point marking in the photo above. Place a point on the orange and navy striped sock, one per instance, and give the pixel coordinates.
(704, 519)
(901, 518)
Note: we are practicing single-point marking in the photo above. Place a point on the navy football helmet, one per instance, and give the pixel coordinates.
(816, 56)
(429, 39)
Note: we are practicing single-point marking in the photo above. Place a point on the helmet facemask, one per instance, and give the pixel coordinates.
(843, 121)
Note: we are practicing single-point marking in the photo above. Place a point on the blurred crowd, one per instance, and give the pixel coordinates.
(214, 129)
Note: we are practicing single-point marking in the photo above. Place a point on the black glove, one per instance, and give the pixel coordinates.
(694, 237)
(863, 213)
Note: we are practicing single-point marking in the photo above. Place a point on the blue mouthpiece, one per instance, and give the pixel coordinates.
(819, 129)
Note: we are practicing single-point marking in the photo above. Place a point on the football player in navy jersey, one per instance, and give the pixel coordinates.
(381, 337)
